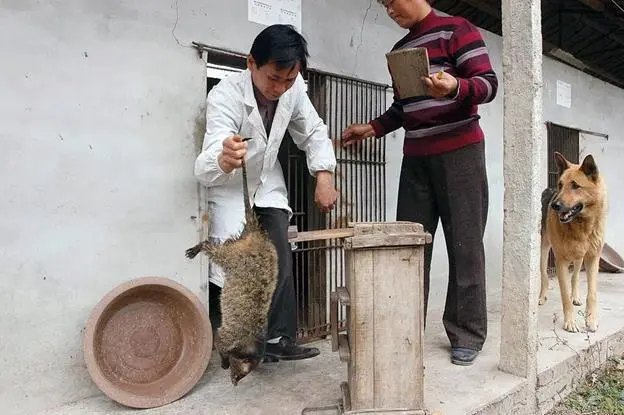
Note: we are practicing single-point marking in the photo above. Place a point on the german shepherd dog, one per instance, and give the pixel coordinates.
(573, 221)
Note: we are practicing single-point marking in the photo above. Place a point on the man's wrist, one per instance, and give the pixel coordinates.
(226, 168)
(377, 128)
(324, 176)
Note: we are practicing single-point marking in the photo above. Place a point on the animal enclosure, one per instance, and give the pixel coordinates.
(319, 266)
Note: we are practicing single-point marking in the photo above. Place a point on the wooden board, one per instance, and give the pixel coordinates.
(361, 328)
(407, 66)
(385, 316)
(322, 235)
(389, 240)
(407, 229)
(398, 310)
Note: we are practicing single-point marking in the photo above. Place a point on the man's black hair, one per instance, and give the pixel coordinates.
(281, 44)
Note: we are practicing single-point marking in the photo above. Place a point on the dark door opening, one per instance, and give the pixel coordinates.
(565, 141)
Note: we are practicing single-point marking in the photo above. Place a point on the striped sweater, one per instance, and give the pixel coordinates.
(434, 126)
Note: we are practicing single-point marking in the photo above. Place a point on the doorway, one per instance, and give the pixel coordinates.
(564, 140)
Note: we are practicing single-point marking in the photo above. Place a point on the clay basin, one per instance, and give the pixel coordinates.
(147, 342)
(610, 261)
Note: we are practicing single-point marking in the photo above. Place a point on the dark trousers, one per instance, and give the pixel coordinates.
(452, 187)
(282, 314)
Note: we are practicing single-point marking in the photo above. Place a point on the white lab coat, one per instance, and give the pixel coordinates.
(232, 110)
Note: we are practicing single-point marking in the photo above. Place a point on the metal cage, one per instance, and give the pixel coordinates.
(360, 178)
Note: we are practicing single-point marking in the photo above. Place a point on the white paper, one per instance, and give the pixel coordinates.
(268, 12)
(290, 13)
(564, 94)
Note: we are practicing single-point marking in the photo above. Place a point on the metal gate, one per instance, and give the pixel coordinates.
(565, 141)
(318, 266)
(360, 180)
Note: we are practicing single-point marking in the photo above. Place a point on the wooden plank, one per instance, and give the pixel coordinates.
(361, 328)
(398, 345)
(369, 228)
(387, 240)
(407, 66)
(358, 229)
(322, 234)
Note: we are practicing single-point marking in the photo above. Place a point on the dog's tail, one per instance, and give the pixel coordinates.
(547, 196)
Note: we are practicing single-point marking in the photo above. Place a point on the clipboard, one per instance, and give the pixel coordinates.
(406, 67)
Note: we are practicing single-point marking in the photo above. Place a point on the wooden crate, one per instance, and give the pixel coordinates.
(383, 346)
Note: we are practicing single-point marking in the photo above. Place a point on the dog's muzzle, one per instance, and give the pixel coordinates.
(566, 215)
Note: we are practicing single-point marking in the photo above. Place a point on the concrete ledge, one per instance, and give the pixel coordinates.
(512, 402)
(558, 381)
(555, 383)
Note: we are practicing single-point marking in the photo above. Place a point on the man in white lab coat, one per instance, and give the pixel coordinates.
(264, 102)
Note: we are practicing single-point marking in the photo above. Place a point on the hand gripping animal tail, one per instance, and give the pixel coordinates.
(250, 264)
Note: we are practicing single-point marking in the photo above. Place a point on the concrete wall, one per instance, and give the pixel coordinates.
(102, 107)
(98, 112)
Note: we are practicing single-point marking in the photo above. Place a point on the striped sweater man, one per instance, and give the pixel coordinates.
(432, 125)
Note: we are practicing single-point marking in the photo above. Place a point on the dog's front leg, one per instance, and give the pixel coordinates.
(569, 322)
(591, 309)
(576, 298)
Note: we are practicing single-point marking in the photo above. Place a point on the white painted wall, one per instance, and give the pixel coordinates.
(99, 106)
(596, 106)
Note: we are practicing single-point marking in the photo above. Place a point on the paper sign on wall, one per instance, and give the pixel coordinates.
(268, 12)
(564, 94)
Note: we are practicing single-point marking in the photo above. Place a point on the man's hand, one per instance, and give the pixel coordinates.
(356, 132)
(325, 194)
(441, 85)
(234, 149)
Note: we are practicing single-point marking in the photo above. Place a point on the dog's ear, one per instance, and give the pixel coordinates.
(589, 167)
(562, 163)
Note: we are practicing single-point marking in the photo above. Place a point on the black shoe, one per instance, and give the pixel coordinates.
(462, 356)
(270, 359)
(286, 349)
